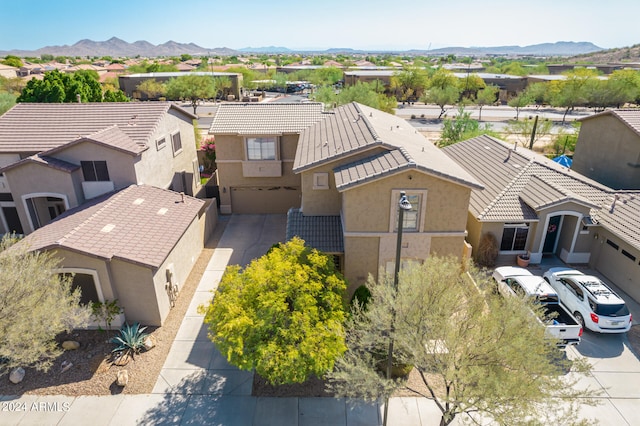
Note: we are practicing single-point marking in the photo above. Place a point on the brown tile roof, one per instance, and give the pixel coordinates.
(354, 128)
(621, 217)
(506, 174)
(35, 127)
(630, 117)
(112, 137)
(139, 224)
(44, 160)
(264, 118)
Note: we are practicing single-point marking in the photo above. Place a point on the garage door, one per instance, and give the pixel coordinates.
(262, 199)
(619, 268)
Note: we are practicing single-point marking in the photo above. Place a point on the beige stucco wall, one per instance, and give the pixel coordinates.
(360, 260)
(137, 292)
(230, 155)
(33, 178)
(157, 167)
(606, 151)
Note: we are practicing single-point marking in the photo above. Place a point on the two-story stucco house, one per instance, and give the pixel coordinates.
(103, 186)
(339, 174)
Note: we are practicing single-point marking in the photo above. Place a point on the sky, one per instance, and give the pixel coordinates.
(312, 24)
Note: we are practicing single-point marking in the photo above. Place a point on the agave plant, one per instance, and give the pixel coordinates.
(131, 339)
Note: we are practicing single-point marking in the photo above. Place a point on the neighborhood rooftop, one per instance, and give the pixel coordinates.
(139, 224)
(630, 117)
(40, 127)
(253, 119)
(353, 128)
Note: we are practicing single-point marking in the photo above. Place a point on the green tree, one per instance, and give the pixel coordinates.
(519, 101)
(151, 88)
(442, 96)
(570, 93)
(36, 304)
(628, 82)
(192, 88)
(7, 101)
(281, 316)
(462, 127)
(522, 130)
(486, 96)
(185, 57)
(12, 61)
(57, 87)
(364, 93)
(409, 83)
(115, 96)
(472, 351)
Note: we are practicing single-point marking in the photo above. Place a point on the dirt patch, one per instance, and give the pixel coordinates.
(311, 388)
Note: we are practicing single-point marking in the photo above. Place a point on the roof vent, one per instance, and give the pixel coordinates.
(163, 211)
(108, 228)
(138, 201)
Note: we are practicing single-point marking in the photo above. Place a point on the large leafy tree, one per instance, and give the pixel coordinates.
(36, 304)
(472, 351)
(282, 315)
(570, 92)
(192, 88)
(57, 87)
(409, 83)
(151, 88)
(365, 93)
(486, 96)
(442, 96)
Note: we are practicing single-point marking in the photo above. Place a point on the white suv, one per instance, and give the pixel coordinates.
(590, 300)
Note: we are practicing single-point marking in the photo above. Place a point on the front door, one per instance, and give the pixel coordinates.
(552, 235)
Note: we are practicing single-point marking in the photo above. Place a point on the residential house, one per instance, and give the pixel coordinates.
(57, 156)
(255, 149)
(533, 205)
(103, 187)
(354, 163)
(136, 245)
(608, 148)
(339, 175)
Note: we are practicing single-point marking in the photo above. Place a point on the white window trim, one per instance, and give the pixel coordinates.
(175, 153)
(276, 147)
(321, 181)
(515, 225)
(163, 145)
(393, 210)
(25, 197)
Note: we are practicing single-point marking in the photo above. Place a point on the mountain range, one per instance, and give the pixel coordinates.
(116, 47)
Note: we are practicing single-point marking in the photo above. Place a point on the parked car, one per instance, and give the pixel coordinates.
(592, 302)
(560, 324)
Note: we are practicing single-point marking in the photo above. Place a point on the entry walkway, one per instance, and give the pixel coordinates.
(197, 386)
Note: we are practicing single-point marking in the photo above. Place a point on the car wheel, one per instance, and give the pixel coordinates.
(578, 316)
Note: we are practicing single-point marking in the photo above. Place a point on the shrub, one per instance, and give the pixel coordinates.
(487, 250)
(362, 295)
(131, 339)
(105, 312)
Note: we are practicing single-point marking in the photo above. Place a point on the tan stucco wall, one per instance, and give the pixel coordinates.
(230, 154)
(157, 167)
(360, 260)
(604, 151)
(320, 202)
(137, 293)
(33, 178)
(474, 229)
(447, 246)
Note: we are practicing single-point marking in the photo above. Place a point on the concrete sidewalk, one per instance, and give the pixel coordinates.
(196, 385)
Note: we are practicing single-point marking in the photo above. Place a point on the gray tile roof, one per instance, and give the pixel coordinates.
(622, 217)
(354, 128)
(33, 127)
(370, 168)
(506, 175)
(264, 118)
(323, 233)
(111, 136)
(139, 224)
(630, 117)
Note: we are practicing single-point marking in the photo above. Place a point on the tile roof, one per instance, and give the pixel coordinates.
(620, 214)
(323, 233)
(54, 163)
(112, 137)
(506, 174)
(370, 168)
(36, 127)
(139, 224)
(354, 128)
(630, 117)
(265, 118)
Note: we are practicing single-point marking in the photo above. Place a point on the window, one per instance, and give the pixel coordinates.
(514, 237)
(612, 244)
(411, 218)
(176, 142)
(321, 181)
(261, 148)
(161, 143)
(95, 171)
(629, 255)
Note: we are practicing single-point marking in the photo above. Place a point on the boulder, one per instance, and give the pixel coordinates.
(70, 345)
(123, 378)
(17, 375)
(65, 366)
(149, 343)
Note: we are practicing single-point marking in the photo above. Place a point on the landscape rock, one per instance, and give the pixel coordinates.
(17, 375)
(123, 378)
(70, 345)
(65, 366)
(149, 343)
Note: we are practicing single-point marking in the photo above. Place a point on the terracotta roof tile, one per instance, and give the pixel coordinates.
(119, 225)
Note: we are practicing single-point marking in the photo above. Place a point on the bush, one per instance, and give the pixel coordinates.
(362, 295)
(131, 339)
(487, 250)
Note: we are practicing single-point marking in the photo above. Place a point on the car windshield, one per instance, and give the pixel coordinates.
(618, 310)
